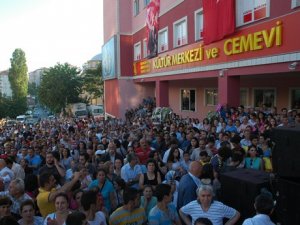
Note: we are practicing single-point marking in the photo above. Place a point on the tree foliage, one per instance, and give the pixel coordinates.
(32, 89)
(60, 85)
(11, 107)
(92, 82)
(18, 79)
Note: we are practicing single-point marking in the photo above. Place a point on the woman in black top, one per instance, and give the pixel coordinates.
(151, 177)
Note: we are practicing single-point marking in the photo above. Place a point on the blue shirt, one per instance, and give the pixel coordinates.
(159, 217)
(150, 205)
(259, 219)
(128, 173)
(106, 190)
(231, 129)
(34, 161)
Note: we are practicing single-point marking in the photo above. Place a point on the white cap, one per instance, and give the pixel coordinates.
(100, 152)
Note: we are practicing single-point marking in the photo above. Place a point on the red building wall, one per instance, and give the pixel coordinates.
(126, 55)
(112, 97)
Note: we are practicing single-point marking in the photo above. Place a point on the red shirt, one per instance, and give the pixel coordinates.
(143, 154)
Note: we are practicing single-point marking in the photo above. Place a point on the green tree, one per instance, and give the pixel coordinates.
(93, 83)
(60, 85)
(18, 74)
(32, 89)
(18, 79)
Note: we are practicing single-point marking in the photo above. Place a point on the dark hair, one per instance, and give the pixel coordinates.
(5, 201)
(88, 198)
(85, 155)
(203, 220)
(251, 146)
(203, 153)
(152, 153)
(68, 152)
(31, 182)
(56, 155)
(62, 194)
(120, 182)
(253, 137)
(211, 139)
(44, 178)
(264, 204)
(102, 170)
(207, 171)
(171, 155)
(197, 141)
(224, 152)
(8, 220)
(130, 194)
(84, 145)
(75, 218)
(161, 191)
(154, 162)
(25, 203)
(131, 156)
(236, 139)
(237, 156)
(76, 192)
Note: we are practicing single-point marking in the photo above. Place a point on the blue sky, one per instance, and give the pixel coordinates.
(50, 31)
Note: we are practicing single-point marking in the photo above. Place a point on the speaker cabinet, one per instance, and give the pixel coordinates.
(286, 153)
(240, 187)
(287, 210)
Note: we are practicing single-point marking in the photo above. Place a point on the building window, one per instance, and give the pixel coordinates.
(295, 3)
(137, 51)
(136, 7)
(188, 99)
(211, 96)
(145, 49)
(251, 10)
(198, 24)
(146, 2)
(163, 40)
(264, 96)
(295, 98)
(244, 96)
(180, 32)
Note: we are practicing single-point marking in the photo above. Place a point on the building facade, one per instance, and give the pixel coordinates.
(35, 76)
(258, 64)
(5, 88)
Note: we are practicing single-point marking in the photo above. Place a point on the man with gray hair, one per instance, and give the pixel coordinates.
(205, 206)
(131, 171)
(16, 193)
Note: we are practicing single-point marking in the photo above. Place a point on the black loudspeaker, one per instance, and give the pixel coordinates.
(240, 187)
(286, 153)
(287, 210)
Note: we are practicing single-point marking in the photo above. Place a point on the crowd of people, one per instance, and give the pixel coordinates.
(83, 171)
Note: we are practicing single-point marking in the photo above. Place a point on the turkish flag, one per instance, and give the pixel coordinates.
(218, 18)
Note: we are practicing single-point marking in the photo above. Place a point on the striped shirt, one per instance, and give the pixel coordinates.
(124, 217)
(216, 212)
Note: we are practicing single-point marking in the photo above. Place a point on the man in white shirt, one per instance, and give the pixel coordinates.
(264, 207)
